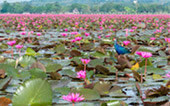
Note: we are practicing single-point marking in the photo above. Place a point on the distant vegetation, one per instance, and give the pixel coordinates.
(87, 6)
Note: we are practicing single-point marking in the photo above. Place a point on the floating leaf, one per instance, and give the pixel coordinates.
(89, 94)
(53, 67)
(4, 83)
(38, 65)
(60, 48)
(11, 71)
(102, 69)
(135, 67)
(68, 72)
(74, 53)
(114, 103)
(5, 101)
(31, 52)
(156, 76)
(37, 73)
(95, 62)
(24, 61)
(2, 73)
(63, 90)
(55, 76)
(35, 92)
(156, 92)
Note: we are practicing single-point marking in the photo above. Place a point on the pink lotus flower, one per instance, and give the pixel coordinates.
(144, 54)
(38, 34)
(81, 74)
(107, 36)
(23, 33)
(87, 34)
(64, 34)
(71, 97)
(152, 38)
(11, 43)
(31, 32)
(167, 40)
(85, 61)
(99, 37)
(19, 46)
(66, 30)
(73, 40)
(126, 32)
(168, 75)
(78, 38)
(74, 33)
(131, 30)
(126, 43)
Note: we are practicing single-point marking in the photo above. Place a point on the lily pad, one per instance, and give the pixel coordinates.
(53, 67)
(89, 94)
(35, 92)
(25, 61)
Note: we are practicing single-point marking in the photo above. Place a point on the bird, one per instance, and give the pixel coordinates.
(120, 49)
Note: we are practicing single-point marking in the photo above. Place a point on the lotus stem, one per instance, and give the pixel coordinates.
(145, 67)
(12, 52)
(116, 75)
(84, 67)
(19, 52)
(73, 104)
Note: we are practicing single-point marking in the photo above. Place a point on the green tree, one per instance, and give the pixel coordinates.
(6, 7)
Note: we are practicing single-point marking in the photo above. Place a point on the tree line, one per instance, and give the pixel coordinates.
(108, 7)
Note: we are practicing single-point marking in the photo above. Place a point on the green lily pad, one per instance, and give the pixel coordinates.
(114, 103)
(156, 76)
(68, 72)
(151, 69)
(53, 67)
(35, 92)
(37, 73)
(95, 62)
(89, 94)
(11, 71)
(31, 52)
(63, 90)
(60, 48)
(24, 61)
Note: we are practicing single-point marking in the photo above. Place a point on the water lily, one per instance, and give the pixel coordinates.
(87, 34)
(38, 34)
(152, 38)
(145, 55)
(81, 74)
(23, 33)
(73, 98)
(126, 43)
(19, 47)
(85, 62)
(168, 75)
(11, 43)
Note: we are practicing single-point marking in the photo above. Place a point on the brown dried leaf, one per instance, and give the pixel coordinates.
(38, 65)
(102, 69)
(74, 53)
(162, 91)
(5, 83)
(134, 49)
(5, 101)
(55, 76)
(124, 62)
(2, 73)
(137, 76)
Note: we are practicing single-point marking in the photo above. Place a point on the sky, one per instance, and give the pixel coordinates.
(12, 0)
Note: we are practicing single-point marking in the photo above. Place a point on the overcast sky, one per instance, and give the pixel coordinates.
(12, 0)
